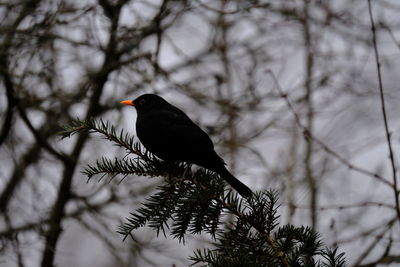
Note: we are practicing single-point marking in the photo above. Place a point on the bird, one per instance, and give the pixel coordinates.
(167, 132)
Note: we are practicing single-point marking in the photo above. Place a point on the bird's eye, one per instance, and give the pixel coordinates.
(142, 102)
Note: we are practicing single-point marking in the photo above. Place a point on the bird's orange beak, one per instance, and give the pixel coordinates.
(128, 102)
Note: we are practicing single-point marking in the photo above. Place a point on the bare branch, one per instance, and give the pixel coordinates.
(326, 148)
(384, 114)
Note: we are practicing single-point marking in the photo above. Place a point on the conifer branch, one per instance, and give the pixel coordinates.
(121, 138)
(196, 202)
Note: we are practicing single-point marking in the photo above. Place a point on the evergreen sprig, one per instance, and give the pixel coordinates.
(196, 202)
(297, 246)
(186, 204)
(108, 131)
(149, 166)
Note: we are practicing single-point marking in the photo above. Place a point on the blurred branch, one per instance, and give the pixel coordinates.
(11, 102)
(374, 243)
(385, 119)
(385, 259)
(113, 249)
(159, 32)
(39, 138)
(15, 102)
(326, 148)
(30, 156)
(310, 178)
(369, 232)
(64, 192)
(395, 41)
(43, 224)
(247, 6)
(154, 27)
(14, 240)
(350, 206)
(4, 66)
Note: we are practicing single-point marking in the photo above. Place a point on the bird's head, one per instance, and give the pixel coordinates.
(146, 102)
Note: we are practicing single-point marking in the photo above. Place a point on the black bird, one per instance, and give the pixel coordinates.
(167, 132)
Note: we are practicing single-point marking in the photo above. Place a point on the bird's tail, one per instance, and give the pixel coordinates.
(240, 187)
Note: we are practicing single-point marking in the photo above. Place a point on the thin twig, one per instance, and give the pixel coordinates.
(39, 138)
(327, 149)
(43, 223)
(375, 242)
(348, 206)
(385, 120)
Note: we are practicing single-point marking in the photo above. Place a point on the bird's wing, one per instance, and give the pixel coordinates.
(178, 126)
(172, 135)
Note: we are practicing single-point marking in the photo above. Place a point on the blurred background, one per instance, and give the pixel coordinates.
(287, 90)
